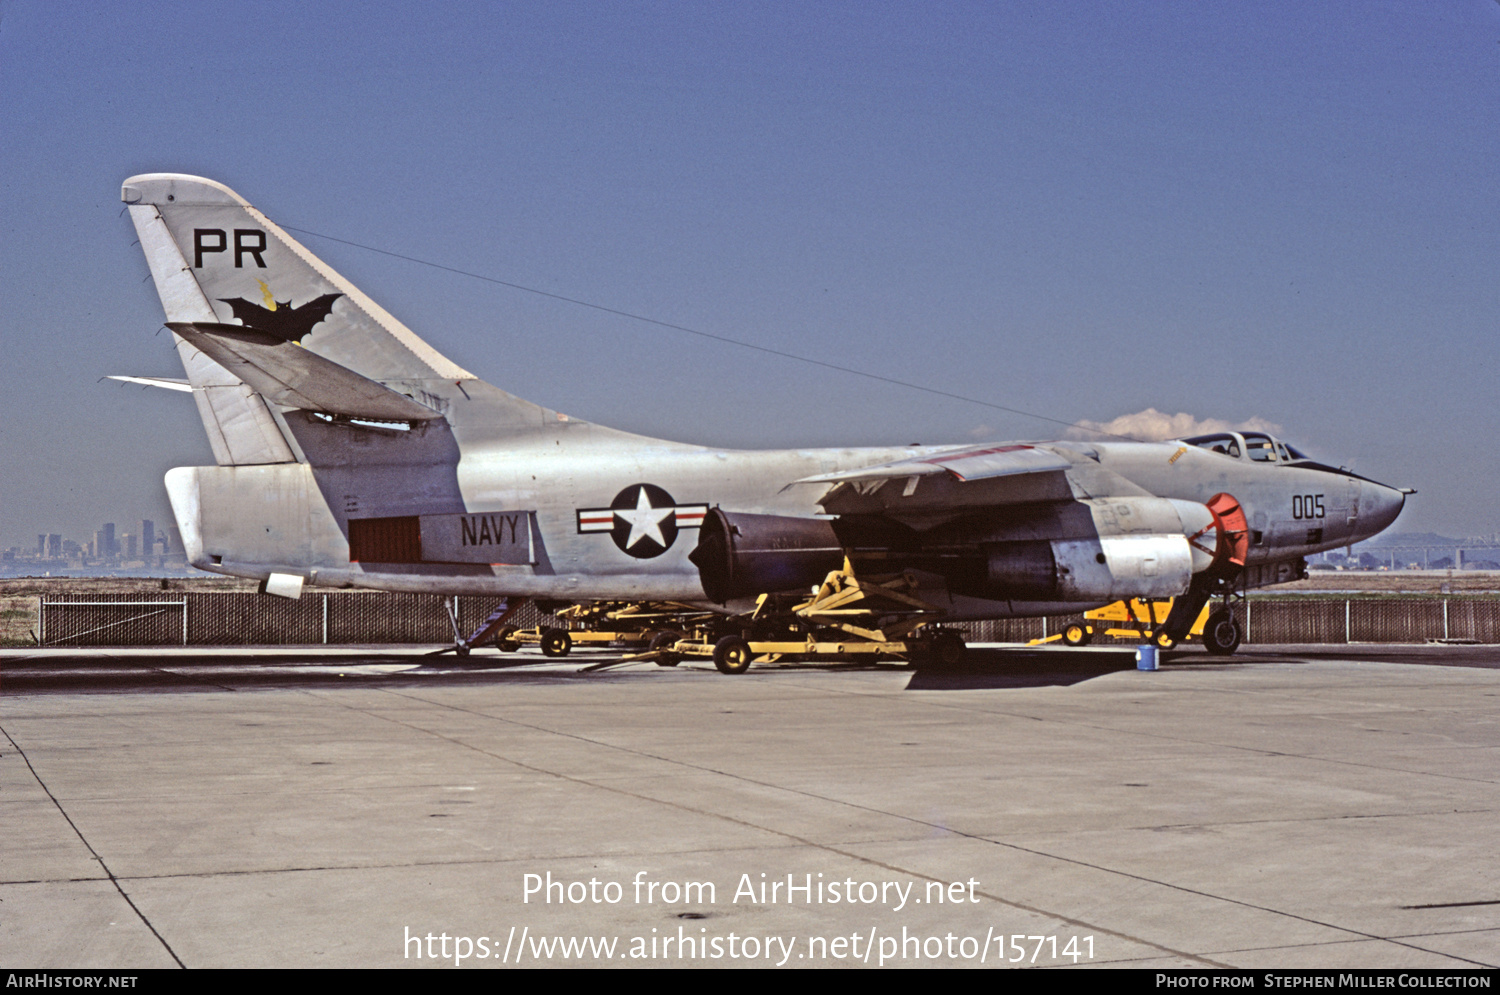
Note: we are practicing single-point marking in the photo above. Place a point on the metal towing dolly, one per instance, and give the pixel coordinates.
(604, 623)
(846, 618)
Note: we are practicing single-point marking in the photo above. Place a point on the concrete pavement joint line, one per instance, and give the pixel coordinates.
(1448, 932)
(1258, 751)
(1332, 818)
(1392, 940)
(1221, 898)
(1444, 953)
(112, 879)
(893, 815)
(385, 866)
(1338, 943)
(743, 822)
(1302, 695)
(1310, 759)
(1292, 946)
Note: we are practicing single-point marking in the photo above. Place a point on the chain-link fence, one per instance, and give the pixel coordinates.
(258, 620)
(1368, 620)
(346, 618)
(112, 621)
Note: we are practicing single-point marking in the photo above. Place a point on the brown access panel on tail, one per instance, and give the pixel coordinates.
(385, 540)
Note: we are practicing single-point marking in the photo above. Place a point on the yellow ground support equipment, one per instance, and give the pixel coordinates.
(1142, 621)
(605, 623)
(846, 618)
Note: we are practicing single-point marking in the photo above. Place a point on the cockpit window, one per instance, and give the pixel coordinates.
(1260, 447)
(1221, 442)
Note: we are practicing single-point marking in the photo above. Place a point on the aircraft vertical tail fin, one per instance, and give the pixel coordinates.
(217, 260)
(265, 327)
(240, 427)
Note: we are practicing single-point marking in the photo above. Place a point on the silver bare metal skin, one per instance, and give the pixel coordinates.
(351, 453)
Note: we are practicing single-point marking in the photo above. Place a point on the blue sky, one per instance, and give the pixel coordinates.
(1275, 211)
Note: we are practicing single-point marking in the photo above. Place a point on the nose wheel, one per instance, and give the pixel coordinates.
(1221, 633)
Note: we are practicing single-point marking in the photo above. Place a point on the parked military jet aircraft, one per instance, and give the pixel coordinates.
(351, 453)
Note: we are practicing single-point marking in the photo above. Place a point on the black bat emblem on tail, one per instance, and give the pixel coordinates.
(286, 322)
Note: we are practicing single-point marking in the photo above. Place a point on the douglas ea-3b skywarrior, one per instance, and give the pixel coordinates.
(351, 453)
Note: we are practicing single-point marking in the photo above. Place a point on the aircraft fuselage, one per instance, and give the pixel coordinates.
(350, 452)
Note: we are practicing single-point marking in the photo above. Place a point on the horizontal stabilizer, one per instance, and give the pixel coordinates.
(168, 383)
(969, 463)
(284, 373)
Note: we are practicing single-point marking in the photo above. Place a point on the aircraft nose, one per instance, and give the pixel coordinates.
(1379, 507)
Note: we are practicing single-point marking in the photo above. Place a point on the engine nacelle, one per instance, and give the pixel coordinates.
(741, 555)
(1106, 568)
(1140, 547)
(1115, 567)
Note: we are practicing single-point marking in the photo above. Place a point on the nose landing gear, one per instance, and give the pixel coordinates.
(1221, 633)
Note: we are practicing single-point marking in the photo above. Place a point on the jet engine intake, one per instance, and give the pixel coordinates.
(740, 555)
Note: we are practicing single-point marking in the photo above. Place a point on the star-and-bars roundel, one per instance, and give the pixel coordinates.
(643, 520)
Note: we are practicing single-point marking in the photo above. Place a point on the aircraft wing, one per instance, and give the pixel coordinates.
(953, 481)
(285, 373)
(970, 463)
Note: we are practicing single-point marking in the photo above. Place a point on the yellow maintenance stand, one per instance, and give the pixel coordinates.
(1138, 621)
(847, 618)
(606, 623)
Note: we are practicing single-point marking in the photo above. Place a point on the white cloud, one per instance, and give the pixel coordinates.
(1156, 426)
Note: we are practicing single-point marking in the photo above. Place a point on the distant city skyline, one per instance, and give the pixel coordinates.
(107, 543)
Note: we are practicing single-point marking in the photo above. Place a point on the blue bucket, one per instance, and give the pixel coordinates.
(1145, 657)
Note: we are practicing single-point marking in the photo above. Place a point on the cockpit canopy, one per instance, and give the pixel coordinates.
(1258, 447)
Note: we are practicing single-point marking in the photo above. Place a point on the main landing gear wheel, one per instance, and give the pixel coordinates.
(1077, 634)
(661, 644)
(941, 650)
(1221, 634)
(732, 655)
(505, 640)
(948, 649)
(556, 642)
